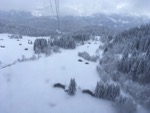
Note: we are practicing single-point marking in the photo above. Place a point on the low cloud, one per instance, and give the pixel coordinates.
(80, 7)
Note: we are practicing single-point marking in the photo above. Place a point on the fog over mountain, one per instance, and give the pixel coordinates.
(80, 7)
(31, 24)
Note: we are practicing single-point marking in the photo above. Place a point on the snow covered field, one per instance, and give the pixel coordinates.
(28, 87)
(15, 48)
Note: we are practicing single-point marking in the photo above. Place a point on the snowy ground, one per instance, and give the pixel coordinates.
(13, 50)
(27, 87)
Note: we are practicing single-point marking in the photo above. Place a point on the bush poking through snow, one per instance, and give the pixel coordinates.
(58, 85)
(15, 36)
(33, 58)
(80, 60)
(86, 56)
(87, 63)
(2, 46)
(26, 49)
(30, 42)
(72, 87)
(88, 92)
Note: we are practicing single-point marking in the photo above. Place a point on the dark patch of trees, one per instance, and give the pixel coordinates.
(80, 60)
(127, 62)
(134, 46)
(65, 41)
(107, 91)
(40, 45)
(30, 42)
(16, 36)
(86, 56)
(54, 43)
(137, 68)
(81, 36)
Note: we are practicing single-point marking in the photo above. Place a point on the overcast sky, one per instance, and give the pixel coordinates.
(80, 7)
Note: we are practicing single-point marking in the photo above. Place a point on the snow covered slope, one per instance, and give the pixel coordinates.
(13, 50)
(28, 87)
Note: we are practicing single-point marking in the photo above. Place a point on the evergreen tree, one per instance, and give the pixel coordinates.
(100, 90)
(40, 45)
(72, 87)
(97, 90)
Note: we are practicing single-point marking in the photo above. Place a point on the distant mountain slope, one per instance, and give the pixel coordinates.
(68, 23)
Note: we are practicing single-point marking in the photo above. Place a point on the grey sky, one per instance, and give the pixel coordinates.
(81, 7)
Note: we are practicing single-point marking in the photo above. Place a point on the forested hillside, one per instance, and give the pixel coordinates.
(126, 59)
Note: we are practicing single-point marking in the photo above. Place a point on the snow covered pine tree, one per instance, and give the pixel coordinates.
(72, 87)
